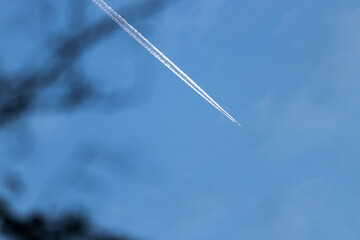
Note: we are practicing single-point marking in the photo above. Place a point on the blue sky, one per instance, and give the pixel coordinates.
(287, 70)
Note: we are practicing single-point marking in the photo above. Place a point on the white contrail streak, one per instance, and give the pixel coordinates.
(159, 55)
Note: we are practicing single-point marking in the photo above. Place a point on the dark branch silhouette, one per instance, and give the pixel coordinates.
(22, 93)
(18, 94)
(39, 227)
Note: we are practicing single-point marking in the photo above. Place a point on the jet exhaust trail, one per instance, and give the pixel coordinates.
(159, 55)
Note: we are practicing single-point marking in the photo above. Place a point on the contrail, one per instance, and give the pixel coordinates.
(159, 55)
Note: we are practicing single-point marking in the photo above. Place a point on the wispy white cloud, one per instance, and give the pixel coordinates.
(323, 108)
